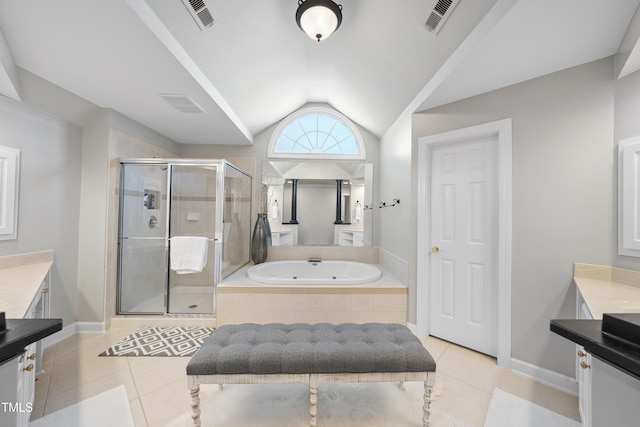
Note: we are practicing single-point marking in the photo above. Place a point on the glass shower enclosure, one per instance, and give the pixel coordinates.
(161, 199)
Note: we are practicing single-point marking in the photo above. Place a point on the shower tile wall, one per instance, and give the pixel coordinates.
(193, 214)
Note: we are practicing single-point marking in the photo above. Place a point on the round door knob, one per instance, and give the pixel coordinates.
(435, 249)
(583, 365)
(581, 353)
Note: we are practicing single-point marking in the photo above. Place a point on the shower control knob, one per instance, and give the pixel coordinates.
(153, 221)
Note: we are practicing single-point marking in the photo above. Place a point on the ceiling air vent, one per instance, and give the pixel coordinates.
(202, 14)
(182, 103)
(441, 11)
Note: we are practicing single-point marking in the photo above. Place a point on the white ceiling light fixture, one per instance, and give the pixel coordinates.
(318, 18)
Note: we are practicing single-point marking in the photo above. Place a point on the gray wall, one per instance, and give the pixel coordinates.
(564, 189)
(64, 141)
(562, 193)
(93, 213)
(49, 199)
(94, 205)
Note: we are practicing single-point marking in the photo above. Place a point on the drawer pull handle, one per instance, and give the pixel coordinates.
(29, 368)
(583, 365)
(33, 356)
(581, 353)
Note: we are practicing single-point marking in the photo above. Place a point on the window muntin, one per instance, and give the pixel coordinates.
(317, 133)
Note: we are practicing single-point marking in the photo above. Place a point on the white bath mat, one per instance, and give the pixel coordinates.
(339, 405)
(506, 409)
(107, 409)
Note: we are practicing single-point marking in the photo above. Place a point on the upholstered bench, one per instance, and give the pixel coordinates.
(301, 353)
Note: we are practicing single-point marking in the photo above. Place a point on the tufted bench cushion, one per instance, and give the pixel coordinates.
(310, 349)
(250, 353)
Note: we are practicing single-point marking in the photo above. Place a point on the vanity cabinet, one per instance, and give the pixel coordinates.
(584, 385)
(347, 235)
(39, 309)
(13, 410)
(584, 371)
(28, 323)
(350, 238)
(17, 393)
(617, 395)
(284, 235)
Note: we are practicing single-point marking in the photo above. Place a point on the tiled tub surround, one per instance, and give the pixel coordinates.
(607, 289)
(242, 300)
(367, 255)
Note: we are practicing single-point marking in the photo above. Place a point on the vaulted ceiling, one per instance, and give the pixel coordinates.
(254, 66)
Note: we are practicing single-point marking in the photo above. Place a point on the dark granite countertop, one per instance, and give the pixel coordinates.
(618, 353)
(20, 333)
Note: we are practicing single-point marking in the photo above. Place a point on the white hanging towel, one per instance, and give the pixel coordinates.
(188, 254)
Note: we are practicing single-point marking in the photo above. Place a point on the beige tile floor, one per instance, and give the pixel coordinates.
(157, 391)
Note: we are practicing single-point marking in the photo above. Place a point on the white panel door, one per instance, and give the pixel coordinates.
(464, 285)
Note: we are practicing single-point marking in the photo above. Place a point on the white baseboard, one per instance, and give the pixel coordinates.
(72, 329)
(90, 327)
(545, 376)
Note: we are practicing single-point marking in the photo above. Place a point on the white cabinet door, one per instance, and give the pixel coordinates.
(584, 386)
(584, 372)
(14, 409)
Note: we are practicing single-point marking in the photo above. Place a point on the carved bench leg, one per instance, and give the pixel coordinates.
(427, 405)
(195, 405)
(313, 400)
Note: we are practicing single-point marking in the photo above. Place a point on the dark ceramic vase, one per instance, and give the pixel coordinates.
(260, 239)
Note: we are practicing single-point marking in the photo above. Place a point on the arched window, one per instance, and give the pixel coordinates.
(318, 133)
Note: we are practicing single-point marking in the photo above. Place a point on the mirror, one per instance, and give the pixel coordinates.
(10, 169)
(319, 203)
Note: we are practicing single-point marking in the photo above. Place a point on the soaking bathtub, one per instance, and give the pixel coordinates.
(314, 272)
(360, 293)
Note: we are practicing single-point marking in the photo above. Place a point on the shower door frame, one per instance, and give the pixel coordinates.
(218, 225)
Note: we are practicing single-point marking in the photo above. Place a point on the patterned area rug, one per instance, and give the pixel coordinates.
(160, 342)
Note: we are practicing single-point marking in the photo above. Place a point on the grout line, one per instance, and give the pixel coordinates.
(71, 348)
(139, 396)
